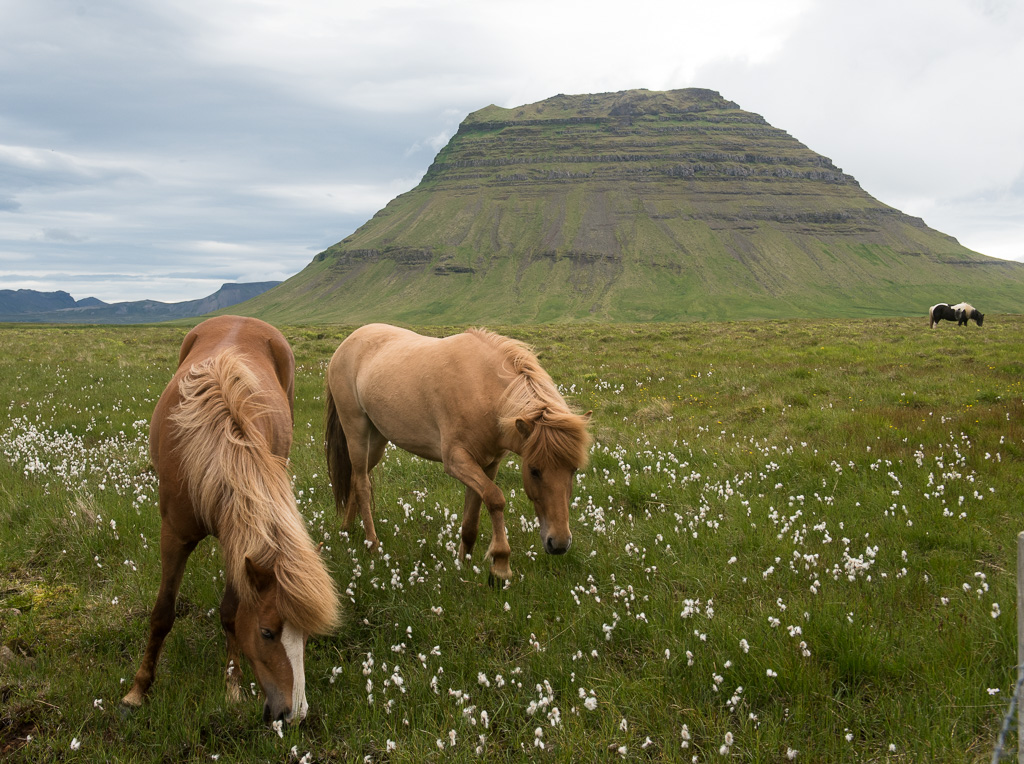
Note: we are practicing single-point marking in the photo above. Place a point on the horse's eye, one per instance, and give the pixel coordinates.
(535, 473)
(266, 633)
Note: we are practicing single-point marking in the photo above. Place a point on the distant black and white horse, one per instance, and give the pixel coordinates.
(941, 312)
(966, 312)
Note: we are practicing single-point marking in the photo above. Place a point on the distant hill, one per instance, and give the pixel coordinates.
(28, 305)
(635, 206)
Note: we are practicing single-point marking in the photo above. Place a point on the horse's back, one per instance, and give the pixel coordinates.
(415, 388)
(267, 356)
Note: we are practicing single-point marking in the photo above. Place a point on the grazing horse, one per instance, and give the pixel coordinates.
(967, 312)
(219, 441)
(941, 312)
(465, 401)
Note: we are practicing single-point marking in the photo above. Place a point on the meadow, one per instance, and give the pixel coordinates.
(795, 541)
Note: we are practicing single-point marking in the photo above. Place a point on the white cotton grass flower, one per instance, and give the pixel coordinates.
(75, 744)
(792, 753)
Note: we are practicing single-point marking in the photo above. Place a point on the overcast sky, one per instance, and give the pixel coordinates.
(154, 149)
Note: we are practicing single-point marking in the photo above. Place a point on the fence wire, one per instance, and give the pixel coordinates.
(1000, 751)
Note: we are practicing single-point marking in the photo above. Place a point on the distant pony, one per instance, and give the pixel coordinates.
(966, 312)
(942, 311)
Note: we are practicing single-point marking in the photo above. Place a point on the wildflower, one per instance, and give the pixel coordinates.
(75, 744)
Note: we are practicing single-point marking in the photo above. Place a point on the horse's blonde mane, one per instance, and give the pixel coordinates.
(559, 435)
(242, 491)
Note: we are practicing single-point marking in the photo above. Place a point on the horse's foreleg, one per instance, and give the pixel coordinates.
(470, 523)
(461, 466)
(174, 554)
(233, 671)
(471, 514)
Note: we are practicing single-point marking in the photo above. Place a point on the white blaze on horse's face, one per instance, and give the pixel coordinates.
(550, 490)
(294, 642)
(275, 650)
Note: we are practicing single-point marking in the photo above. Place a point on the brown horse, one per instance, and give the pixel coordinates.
(219, 440)
(464, 401)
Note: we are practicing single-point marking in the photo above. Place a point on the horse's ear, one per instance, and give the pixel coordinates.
(258, 576)
(588, 415)
(525, 427)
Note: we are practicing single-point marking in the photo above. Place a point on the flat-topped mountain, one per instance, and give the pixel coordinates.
(635, 206)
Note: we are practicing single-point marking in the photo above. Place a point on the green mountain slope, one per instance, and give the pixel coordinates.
(635, 206)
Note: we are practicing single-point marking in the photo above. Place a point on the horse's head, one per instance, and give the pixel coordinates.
(556, 445)
(979, 317)
(549, 487)
(274, 647)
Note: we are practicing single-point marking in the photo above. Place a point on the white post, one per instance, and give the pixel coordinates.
(1020, 643)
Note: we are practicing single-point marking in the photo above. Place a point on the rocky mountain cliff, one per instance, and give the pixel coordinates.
(635, 206)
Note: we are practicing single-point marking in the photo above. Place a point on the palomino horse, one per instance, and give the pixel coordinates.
(967, 312)
(464, 401)
(219, 440)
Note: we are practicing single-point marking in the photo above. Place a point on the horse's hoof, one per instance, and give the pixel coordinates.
(498, 578)
(126, 710)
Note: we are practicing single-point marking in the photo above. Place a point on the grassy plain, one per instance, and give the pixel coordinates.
(795, 541)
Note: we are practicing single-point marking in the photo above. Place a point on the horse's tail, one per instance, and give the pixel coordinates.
(339, 466)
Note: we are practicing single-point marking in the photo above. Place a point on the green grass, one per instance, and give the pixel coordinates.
(791, 532)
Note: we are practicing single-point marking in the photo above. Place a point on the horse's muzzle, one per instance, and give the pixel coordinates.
(553, 547)
(268, 715)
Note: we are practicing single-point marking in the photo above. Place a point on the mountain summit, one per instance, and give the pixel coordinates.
(635, 206)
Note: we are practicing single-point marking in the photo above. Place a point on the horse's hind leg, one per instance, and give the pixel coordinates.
(174, 554)
(366, 448)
